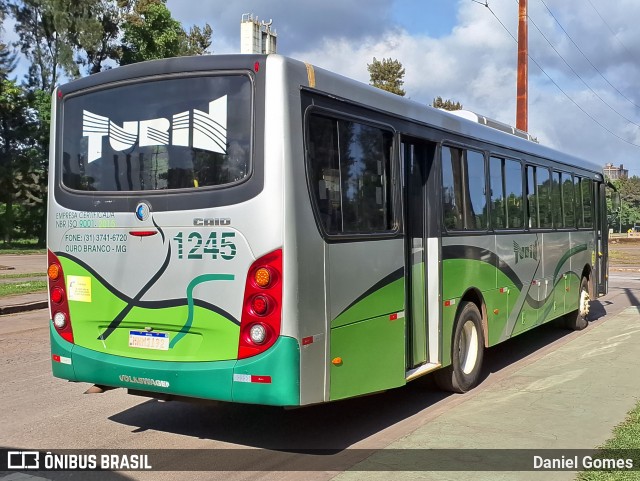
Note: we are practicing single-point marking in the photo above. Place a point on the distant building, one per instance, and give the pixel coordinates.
(256, 36)
(614, 172)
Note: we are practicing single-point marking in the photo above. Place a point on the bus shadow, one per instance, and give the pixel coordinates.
(332, 426)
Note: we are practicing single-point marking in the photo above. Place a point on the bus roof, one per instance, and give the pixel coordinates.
(342, 87)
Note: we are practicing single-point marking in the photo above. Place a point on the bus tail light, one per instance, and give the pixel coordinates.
(262, 305)
(58, 298)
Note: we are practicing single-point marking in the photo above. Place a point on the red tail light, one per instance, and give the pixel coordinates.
(58, 298)
(262, 305)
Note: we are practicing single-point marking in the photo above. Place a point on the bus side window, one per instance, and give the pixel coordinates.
(587, 202)
(556, 200)
(544, 197)
(513, 193)
(532, 198)
(452, 189)
(578, 202)
(349, 166)
(498, 205)
(568, 200)
(324, 170)
(464, 200)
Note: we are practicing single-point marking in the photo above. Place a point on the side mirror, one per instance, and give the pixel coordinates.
(615, 201)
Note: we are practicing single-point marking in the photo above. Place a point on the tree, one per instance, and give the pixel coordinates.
(387, 74)
(7, 55)
(150, 32)
(42, 26)
(629, 213)
(95, 34)
(450, 105)
(17, 146)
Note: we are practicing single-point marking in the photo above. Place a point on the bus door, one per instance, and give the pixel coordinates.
(417, 160)
(602, 235)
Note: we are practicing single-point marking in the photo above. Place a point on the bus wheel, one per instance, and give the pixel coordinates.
(467, 351)
(577, 320)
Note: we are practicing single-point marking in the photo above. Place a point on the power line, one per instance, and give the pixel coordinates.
(580, 77)
(587, 58)
(596, 121)
(610, 29)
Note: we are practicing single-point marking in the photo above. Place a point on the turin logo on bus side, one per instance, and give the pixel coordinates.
(526, 252)
(208, 129)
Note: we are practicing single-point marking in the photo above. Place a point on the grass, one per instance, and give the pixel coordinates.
(22, 276)
(624, 254)
(621, 258)
(17, 288)
(626, 436)
(21, 247)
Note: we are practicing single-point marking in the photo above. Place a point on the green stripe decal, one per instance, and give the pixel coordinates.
(190, 287)
(571, 252)
(198, 331)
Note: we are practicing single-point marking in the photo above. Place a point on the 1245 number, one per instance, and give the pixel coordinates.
(216, 245)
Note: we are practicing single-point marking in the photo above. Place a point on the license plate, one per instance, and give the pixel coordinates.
(149, 340)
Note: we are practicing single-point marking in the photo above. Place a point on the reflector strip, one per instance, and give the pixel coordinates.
(450, 302)
(311, 339)
(252, 379)
(504, 290)
(143, 233)
(397, 315)
(61, 359)
(311, 75)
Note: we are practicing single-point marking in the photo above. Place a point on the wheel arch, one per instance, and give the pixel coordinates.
(474, 296)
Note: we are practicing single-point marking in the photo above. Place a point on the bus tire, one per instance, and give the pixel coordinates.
(577, 320)
(467, 351)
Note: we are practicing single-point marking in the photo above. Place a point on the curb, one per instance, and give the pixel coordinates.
(28, 306)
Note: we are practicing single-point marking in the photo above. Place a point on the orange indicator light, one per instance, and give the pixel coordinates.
(53, 272)
(262, 277)
(337, 361)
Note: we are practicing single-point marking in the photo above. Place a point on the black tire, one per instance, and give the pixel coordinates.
(467, 351)
(577, 320)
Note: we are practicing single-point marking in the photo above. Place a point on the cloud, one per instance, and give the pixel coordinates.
(475, 64)
(300, 25)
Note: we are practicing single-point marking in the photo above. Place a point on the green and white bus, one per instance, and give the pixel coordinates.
(254, 229)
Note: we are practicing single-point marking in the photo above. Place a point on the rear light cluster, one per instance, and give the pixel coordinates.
(58, 298)
(262, 305)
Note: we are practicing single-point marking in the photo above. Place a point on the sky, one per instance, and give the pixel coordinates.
(584, 100)
(583, 70)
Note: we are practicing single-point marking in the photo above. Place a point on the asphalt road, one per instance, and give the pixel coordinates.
(38, 411)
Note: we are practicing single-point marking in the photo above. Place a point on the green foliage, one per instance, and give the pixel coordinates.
(7, 55)
(624, 443)
(450, 105)
(150, 32)
(42, 26)
(95, 34)
(629, 213)
(66, 39)
(387, 74)
(23, 162)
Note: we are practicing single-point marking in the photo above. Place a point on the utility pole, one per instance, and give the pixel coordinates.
(522, 104)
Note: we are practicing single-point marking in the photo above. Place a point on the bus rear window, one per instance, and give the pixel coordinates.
(158, 135)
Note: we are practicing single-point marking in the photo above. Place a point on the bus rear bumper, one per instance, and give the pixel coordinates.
(272, 377)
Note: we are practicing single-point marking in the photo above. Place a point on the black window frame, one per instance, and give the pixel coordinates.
(464, 230)
(187, 199)
(523, 214)
(393, 180)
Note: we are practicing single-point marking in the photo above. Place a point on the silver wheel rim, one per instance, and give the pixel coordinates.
(584, 303)
(468, 347)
